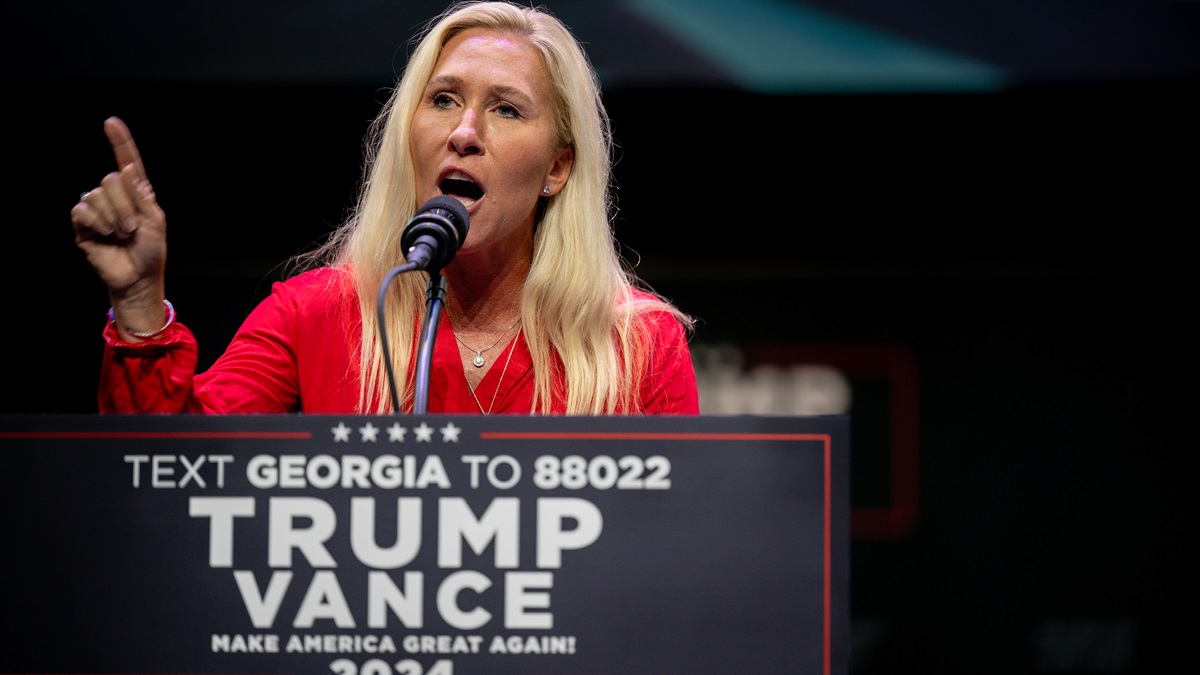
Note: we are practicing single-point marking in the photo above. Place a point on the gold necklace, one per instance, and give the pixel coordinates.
(478, 361)
(503, 372)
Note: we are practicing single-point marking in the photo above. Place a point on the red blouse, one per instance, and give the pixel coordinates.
(298, 352)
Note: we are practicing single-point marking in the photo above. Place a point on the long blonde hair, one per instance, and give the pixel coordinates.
(579, 308)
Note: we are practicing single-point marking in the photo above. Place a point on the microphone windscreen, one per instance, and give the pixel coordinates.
(454, 211)
(433, 235)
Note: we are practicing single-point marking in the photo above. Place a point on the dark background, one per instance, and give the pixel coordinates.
(1020, 226)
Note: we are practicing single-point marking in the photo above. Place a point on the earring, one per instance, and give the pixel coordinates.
(546, 190)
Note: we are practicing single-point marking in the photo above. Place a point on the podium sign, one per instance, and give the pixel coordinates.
(428, 545)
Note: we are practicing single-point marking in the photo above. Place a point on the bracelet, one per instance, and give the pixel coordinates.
(170, 310)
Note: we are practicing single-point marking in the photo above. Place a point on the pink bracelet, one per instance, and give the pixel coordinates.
(170, 310)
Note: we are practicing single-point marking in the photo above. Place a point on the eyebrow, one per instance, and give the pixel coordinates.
(502, 90)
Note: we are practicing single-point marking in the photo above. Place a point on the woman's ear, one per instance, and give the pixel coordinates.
(560, 170)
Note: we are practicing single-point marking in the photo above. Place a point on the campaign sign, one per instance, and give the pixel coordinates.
(426, 545)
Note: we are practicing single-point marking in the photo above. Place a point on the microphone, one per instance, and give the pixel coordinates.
(432, 237)
(430, 240)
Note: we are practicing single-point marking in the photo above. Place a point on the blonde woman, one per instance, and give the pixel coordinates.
(499, 108)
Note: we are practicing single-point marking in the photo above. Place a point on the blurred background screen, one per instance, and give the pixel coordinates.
(774, 46)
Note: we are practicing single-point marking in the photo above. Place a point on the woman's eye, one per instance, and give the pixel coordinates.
(507, 110)
(442, 100)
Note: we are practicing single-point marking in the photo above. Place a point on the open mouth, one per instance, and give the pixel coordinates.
(461, 187)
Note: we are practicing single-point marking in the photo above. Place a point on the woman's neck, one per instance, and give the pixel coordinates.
(482, 298)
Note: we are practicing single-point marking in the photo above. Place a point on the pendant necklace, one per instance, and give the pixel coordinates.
(478, 361)
(504, 372)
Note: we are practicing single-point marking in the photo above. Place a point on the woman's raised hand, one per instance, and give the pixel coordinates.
(123, 232)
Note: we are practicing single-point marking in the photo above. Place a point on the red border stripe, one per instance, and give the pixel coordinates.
(291, 435)
(640, 436)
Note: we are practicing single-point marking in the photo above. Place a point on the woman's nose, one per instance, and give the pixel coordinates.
(465, 137)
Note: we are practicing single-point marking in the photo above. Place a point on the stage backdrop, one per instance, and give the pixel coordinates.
(434, 545)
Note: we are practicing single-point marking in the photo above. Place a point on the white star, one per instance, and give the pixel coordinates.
(341, 433)
(396, 433)
(450, 433)
(368, 432)
(424, 433)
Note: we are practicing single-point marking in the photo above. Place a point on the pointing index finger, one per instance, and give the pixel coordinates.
(124, 148)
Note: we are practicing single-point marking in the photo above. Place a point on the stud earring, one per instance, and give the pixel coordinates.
(546, 190)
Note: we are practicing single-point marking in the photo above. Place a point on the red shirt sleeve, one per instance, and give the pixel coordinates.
(669, 380)
(151, 377)
(305, 320)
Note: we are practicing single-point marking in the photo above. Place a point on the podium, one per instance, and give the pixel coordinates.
(425, 545)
